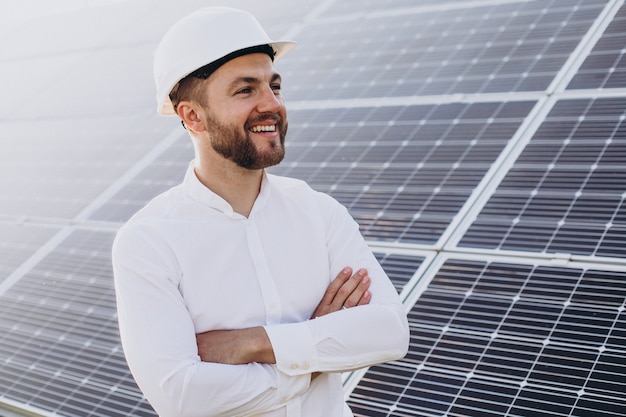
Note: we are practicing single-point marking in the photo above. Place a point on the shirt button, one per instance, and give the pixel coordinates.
(294, 366)
(305, 366)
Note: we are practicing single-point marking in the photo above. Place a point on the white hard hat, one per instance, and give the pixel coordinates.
(200, 38)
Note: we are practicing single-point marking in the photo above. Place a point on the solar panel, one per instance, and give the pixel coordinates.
(493, 338)
(493, 47)
(403, 175)
(400, 268)
(480, 146)
(17, 243)
(165, 171)
(605, 67)
(59, 334)
(565, 193)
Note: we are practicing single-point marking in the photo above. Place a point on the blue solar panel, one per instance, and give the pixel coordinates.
(506, 339)
(565, 193)
(455, 133)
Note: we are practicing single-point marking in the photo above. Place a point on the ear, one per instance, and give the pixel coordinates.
(192, 116)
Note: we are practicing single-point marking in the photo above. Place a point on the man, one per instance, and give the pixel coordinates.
(240, 292)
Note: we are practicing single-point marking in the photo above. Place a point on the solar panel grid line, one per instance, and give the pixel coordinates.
(76, 365)
(33, 260)
(621, 306)
(67, 377)
(435, 7)
(543, 108)
(415, 100)
(50, 222)
(440, 153)
(140, 165)
(494, 402)
(593, 35)
(96, 392)
(357, 188)
(83, 393)
(608, 264)
(528, 10)
(526, 384)
(403, 270)
(28, 410)
(296, 27)
(559, 302)
(491, 180)
(591, 168)
(388, 256)
(437, 393)
(87, 211)
(590, 180)
(56, 329)
(84, 398)
(604, 68)
(577, 57)
(77, 340)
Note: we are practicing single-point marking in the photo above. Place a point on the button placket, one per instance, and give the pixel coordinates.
(273, 311)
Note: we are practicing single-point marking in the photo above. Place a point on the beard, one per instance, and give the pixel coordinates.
(238, 147)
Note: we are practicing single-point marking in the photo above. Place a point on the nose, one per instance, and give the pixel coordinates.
(270, 101)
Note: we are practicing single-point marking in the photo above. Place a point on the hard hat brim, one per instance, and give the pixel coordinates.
(204, 37)
(281, 48)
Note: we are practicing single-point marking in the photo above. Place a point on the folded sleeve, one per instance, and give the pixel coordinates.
(158, 339)
(346, 340)
(351, 338)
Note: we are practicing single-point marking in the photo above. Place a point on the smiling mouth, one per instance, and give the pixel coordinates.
(260, 129)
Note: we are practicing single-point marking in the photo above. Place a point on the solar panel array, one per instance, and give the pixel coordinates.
(565, 192)
(481, 146)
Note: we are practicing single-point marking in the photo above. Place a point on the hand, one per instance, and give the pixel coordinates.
(235, 347)
(345, 291)
(252, 344)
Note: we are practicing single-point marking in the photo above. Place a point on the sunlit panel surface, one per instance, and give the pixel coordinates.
(494, 339)
(402, 172)
(480, 145)
(605, 67)
(58, 335)
(431, 48)
(566, 192)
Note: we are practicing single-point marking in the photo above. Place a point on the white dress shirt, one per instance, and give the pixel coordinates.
(186, 263)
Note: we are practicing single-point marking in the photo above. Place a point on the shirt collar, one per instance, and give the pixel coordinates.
(202, 194)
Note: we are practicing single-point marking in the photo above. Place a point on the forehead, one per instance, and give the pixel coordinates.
(257, 65)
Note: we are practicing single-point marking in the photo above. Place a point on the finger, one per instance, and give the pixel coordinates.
(348, 289)
(335, 285)
(365, 299)
(358, 293)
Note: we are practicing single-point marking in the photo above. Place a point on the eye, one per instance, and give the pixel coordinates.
(245, 90)
(276, 87)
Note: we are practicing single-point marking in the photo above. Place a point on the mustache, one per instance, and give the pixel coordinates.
(265, 117)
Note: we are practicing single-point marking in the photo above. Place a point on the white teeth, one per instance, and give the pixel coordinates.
(257, 129)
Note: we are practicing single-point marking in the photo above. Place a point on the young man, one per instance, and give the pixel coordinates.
(240, 292)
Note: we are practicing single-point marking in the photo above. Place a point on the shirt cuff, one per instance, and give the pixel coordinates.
(290, 387)
(294, 348)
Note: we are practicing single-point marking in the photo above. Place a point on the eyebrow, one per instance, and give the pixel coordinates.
(253, 80)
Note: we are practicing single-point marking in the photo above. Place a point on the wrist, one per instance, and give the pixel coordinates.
(260, 350)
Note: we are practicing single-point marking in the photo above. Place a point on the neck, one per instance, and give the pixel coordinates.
(238, 186)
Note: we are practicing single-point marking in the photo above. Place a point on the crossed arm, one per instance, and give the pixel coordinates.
(252, 344)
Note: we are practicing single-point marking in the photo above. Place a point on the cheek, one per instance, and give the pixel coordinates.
(229, 114)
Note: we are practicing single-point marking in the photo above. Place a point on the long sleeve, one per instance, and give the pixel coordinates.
(187, 264)
(158, 338)
(351, 338)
